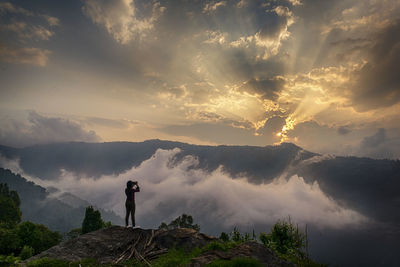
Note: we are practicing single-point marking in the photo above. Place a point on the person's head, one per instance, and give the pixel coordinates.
(129, 184)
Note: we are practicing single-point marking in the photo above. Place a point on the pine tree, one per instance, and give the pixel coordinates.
(92, 220)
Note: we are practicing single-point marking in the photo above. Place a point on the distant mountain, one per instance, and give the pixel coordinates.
(365, 184)
(38, 206)
(96, 159)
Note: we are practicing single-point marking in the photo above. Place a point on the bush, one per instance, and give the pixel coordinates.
(26, 252)
(37, 236)
(9, 241)
(9, 260)
(9, 205)
(175, 257)
(285, 239)
(224, 237)
(48, 262)
(184, 221)
(93, 221)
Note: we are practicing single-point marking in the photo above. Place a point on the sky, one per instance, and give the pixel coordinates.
(318, 73)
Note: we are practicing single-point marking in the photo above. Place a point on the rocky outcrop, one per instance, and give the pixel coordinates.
(117, 244)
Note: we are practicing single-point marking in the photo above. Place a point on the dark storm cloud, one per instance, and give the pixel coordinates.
(273, 125)
(384, 144)
(38, 129)
(374, 140)
(343, 130)
(266, 88)
(378, 83)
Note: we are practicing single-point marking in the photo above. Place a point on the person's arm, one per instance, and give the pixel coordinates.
(137, 189)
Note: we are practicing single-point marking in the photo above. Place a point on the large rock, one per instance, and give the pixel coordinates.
(116, 243)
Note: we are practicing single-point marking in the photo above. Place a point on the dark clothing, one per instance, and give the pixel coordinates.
(130, 193)
(130, 204)
(130, 209)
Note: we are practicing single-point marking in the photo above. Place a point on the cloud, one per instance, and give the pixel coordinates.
(19, 27)
(169, 190)
(25, 55)
(9, 7)
(29, 26)
(384, 144)
(120, 18)
(374, 140)
(213, 6)
(343, 130)
(378, 82)
(38, 129)
(273, 126)
(266, 88)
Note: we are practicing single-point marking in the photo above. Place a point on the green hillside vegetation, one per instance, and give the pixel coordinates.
(36, 205)
(24, 239)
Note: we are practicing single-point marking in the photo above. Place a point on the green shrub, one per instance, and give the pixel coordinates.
(238, 262)
(37, 236)
(286, 239)
(184, 221)
(222, 246)
(224, 237)
(176, 257)
(9, 205)
(9, 241)
(93, 221)
(8, 260)
(26, 252)
(48, 262)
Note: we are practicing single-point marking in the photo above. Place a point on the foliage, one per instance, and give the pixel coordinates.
(50, 262)
(236, 236)
(176, 257)
(286, 239)
(289, 243)
(93, 221)
(9, 241)
(9, 206)
(37, 236)
(184, 221)
(224, 237)
(26, 252)
(222, 246)
(26, 238)
(9, 260)
(238, 262)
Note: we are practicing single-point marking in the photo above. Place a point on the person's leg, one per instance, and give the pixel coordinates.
(128, 210)
(133, 209)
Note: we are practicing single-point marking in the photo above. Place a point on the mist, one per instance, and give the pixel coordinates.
(216, 200)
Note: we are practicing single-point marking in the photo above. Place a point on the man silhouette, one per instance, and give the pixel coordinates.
(131, 188)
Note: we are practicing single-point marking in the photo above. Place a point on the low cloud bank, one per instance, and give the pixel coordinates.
(34, 128)
(214, 199)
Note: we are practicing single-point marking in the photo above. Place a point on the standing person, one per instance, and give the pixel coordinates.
(131, 188)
